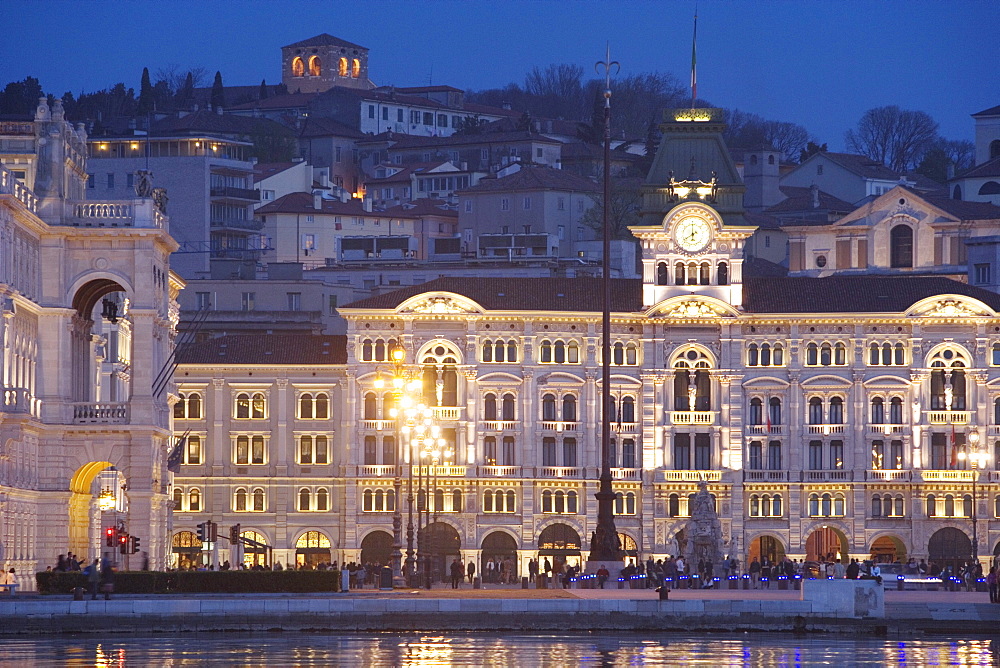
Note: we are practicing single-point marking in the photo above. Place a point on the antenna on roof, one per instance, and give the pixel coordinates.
(430, 77)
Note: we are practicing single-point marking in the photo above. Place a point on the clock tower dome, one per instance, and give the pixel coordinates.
(693, 230)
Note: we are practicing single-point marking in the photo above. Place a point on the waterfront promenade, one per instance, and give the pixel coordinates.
(497, 609)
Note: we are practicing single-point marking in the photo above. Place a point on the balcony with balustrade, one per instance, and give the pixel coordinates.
(500, 425)
(764, 476)
(379, 425)
(139, 213)
(701, 418)
(100, 413)
(19, 400)
(887, 429)
(559, 425)
(824, 429)
(949, 475)
(625, 427)
(443, 470)
(829, 475)
(559, 472)
(377, 471)
(948, 417)
(619, 473)
(688, 475)
(893, 475)
(449, 413)
(764, 430)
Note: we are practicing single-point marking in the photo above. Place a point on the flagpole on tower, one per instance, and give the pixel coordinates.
(694, 59)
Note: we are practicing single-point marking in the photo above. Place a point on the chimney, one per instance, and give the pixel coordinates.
(366, 203)
(814, 193)
(317, 201)
(951, 170)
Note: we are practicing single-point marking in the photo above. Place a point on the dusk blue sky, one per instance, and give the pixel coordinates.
(819, 64)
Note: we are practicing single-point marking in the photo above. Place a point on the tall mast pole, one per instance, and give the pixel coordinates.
(605, 544)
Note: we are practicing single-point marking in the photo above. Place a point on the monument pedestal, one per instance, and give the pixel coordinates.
(614, 566)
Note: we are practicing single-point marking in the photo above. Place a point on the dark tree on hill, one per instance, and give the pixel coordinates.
(218, 92)
(652, 145)
(470, 125)
(752, 131)
(185, 95)
(593, 132)
(895, 137)
(626, 200)
(145, 104)
(20, 97)
(811, 149)
(946, 156)
(103, 105)
(262, 95)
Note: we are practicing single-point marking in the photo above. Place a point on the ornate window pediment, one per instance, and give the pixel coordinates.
(440, 304)
(692, 308)
(950, 306)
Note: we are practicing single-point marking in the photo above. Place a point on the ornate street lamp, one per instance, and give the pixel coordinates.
(977, 459)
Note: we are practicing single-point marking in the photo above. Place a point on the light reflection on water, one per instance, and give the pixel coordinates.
(301, 649)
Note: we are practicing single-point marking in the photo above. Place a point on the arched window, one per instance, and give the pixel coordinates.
(258, 500)
(547, 501)
(380, 350)
(754, 506)
(560, 502)
(390, 500)
(178, 498)
(573, 352)
(488, 502)
(315, 66)
(770, 159)
(631, 354)
(379, 500)
(507, 408)
(990, 188)
(322, 499)
(488, 351)
(511, 497)
(876, 506)
(873, 355)
(692, 273)
(753, 355)
(814, 505)
(765, 354)
(705, 274)
(826, 505)
(826, 354)
(756, 415)
(901, 246)
(242, 449)
(490, 407)
(179, 412)
(896, 410)
(298, 67)
(996, 411)
(242, 406)
(774, 406)
(306, 406)
(194, 500)
(723, 273)
(995, 149)
(628, 409)
(661, 273)
(679, 274)
(897, 509)
(240, 500)
(840, 354)
(322, 408)
(257, 450)
(545, 352)
(812, 354)
(948, 378)
(257, 406)
(618, 354)
(342, 67)
(367, 501)
(957, 193)
(194, 406)
(967, 505)
(355, 68)
(878, 410)
(571, 502)
(776, 506)
(456, 501)
(931, 504)
(440, 376)
(304, 498)
(765, 505)
(569, 408)
(836, 410)
(949, 505)
(366, 351)
(549, 407)
(619, 503)
(674, 506)
(511, 351)
(815, 410)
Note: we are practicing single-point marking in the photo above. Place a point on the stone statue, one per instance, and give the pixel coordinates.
(144, 183)
(704, 531)
(160, 199)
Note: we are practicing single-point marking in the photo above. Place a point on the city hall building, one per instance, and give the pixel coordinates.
(839, 415)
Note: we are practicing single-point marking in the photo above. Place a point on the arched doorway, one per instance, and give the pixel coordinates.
(888, 550)
(629, 548)
(949, 547)
(376, 548)
(826, 544)
(441, 545)
(311, 549)
(560, 543)
(186, 549)
(101, 337)
(500, 547)
(255, 552)
(87, 518)
(765, 547)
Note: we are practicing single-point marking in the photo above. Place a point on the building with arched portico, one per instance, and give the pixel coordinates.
(89, 311)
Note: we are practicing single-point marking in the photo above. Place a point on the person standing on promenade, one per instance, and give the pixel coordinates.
(94, 578)
(755, 572)
(991, 582)
(456, 574)
(472, 570)
(107, 579)
(602, 575)
(533, 569)
(852, 570)
(839, 571)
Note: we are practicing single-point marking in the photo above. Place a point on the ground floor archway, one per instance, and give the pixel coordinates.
(561, 543)
(256, 551)
(311, 549)
(949, 547)
(766, 547)
(888, 550)
(441, 545)
(376, 548)
(500, 548)
(826, 543)
(630, 550)
(86, 518)
(186, 550)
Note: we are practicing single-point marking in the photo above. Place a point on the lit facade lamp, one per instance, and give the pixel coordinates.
(106, 500)
(977, 459)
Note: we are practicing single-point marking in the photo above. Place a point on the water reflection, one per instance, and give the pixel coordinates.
(300, 649)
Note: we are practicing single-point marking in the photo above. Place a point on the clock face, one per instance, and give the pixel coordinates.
(692, 233)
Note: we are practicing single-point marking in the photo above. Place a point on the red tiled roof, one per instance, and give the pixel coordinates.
(422, 207)
(263, 170)
(400, 141)
(536, 178)
(303, 203)
(325, 39)
(318, 126)
(863, 165)
(284, 349)
(988, 169)
(285, 101)
(800, 199)
(206, 121)
(992, 111)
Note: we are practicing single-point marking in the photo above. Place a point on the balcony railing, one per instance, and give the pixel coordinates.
(834, 475)
(941, 475)
(235, 193)
(250, 224)
(378, 425)
(948, 417)
(763, 430)
(625, 474)
(692, 417)
(551, 425)
(887, 474)
(765, 476)
(447, 471)
(10, 185)
(100, 413)
(18, 400)
(824, 429)
(559, 472)
(501, 425)
(886, 429)
(490, 471)
(117, 213)
(377, 471)
(447, 413)
(994, 430)
(994, 476)
(690, 476)
(625, 427)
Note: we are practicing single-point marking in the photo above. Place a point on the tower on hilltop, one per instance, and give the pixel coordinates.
(319, 63)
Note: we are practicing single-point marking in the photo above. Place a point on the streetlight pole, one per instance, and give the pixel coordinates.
(977, 458)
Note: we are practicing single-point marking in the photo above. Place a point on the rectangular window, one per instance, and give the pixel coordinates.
(385, 113)
(702, 452)
(939, 451)
(527, 203)
(504, 204)
(837, 454)
(548, 452)
(484, 154)
(774, 455)
(332, 304)
(561, 203)
(247, 300)
(428, 118)
(895, 455)
(468, 206)
(569, 452)
(414, 116)
(371, 111)
(561, 232)
(193, 450)
(371, 451)
(816, 455)
(442, 120)
(878, 455)
(538, 152)
(130, 180)
(682, 451)
(111, 180)
(755, 456)
(336, 154)
(90, 181)
(508, 451)
(203, 301)
(399, 115)
(294, 301)
(983, 274)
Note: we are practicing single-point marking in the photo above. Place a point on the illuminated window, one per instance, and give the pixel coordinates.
(342, 67)
(298, 67)
(315, 66)
(356, 68)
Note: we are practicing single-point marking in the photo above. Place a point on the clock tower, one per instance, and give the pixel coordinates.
(693, 230)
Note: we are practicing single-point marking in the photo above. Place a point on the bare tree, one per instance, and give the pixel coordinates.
(175, 76)
(626, 200)
(751, 131)
(559, 88)
(895, 137)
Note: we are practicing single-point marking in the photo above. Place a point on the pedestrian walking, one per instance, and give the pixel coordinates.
(456, 574)
(472, 571)
(93, 574)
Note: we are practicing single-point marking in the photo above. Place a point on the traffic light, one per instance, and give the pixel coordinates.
(109, 534)
(213, 532)
(203, 532)
(123, 543)
(234, 534)
(135, 544)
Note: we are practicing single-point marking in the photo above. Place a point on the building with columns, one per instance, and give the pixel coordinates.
(830, 416)
(89, 311)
